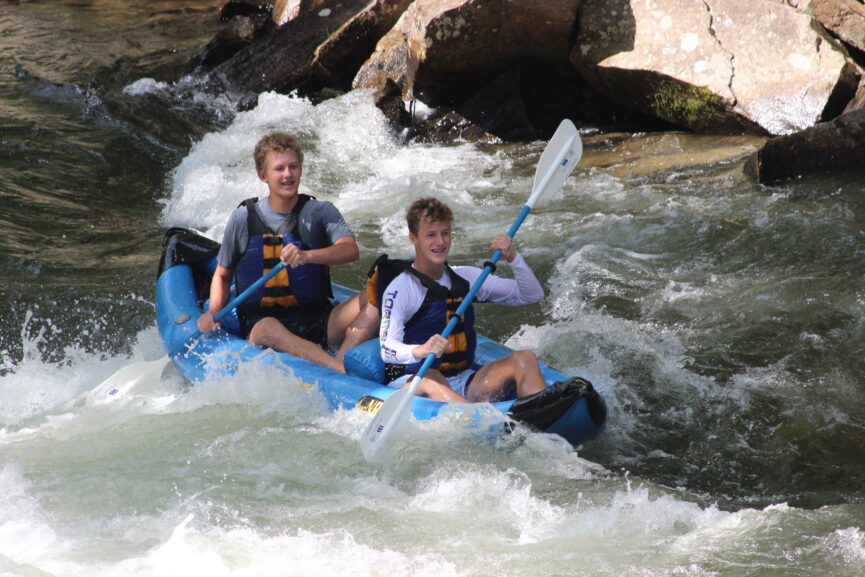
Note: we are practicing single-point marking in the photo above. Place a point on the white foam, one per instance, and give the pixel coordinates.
(144, 86)
(188, 91)
(194, 550)
(34, 386)
(26, 535)
(351, 159)
(848, 544)
(47, 400)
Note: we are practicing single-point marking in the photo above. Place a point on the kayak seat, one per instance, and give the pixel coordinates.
(364, 361)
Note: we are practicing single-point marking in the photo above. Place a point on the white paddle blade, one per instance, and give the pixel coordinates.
(390, 419)
(124, 381)
(557, 161)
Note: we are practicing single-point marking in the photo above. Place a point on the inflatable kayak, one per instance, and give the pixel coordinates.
(570, 407)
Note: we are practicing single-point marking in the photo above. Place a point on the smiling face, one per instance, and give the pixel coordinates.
(432, 243)
(282, 171)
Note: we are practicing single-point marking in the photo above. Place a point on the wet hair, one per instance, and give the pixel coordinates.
(275, 142)
(427, 210)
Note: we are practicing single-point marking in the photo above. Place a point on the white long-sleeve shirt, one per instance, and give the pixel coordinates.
(404, 295)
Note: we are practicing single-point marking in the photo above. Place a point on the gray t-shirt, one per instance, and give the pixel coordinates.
(321, 225)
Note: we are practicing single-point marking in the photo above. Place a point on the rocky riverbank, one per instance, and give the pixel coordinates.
(502, 70)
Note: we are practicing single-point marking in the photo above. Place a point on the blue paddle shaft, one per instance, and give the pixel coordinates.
(467, 301)
(515, 227)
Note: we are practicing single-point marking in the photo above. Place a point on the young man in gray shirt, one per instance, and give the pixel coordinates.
(293, 312)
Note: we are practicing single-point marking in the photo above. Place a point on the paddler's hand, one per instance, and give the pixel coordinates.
(206, 324)
(505, 244)
(293, 256)
(436, 344)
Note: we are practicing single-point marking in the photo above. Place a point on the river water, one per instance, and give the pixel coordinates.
(721, 320)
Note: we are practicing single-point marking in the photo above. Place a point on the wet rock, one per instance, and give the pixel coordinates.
(718, 65)
(245, 23)
(286, 58)
(449, 127)
(235, 8)
(528, 100)
(511, 70)
(344, 52)
(858, 100)
(285, 10)
(442, 51)
(505, 108)
(843, 18)
(440, 126)
(828, 145)
(525, 102)
(388, 99)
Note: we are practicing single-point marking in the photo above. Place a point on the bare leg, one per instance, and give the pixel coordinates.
(351, 322)
(494, 381)
(435, 386)
(269, 332)
(342, 316)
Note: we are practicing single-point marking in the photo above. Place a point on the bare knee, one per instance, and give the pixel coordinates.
(525, 359)
(435, 386)
(431, 389)
(368, 318)
(264, 330)
(263, 326)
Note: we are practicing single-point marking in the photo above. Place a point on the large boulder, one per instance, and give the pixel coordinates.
(442, 51)
(321, 46)
(843, 18)
(344, 51)
(341, 54)
(828, 145)
(717, 65)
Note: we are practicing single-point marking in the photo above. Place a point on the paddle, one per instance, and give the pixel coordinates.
(137, 374)
(557, 161)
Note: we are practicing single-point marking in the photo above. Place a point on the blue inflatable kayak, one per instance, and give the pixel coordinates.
(570, 407)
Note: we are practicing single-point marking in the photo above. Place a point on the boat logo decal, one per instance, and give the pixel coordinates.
(369, 404)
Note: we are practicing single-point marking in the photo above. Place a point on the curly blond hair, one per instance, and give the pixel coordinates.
(429, 210)
(275, 142)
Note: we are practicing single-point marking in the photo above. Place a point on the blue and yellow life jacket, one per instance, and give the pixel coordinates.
(435, 312)
(306, 285)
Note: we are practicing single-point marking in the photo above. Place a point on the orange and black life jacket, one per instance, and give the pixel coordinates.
(306, 285)
(431, 318)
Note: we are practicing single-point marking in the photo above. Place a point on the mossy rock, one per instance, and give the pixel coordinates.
(686, 105)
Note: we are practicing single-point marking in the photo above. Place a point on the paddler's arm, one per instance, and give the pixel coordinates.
(342, 251)
(402, 298)
(436, 345)
(220, 286)
(523, 289)
(528, 287)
